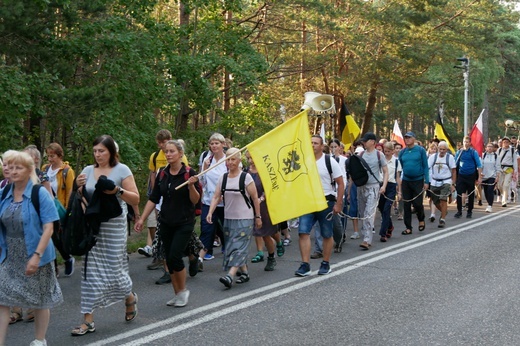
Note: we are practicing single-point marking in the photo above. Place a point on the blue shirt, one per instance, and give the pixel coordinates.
(468, 161)
(32, 226)
(414, 163)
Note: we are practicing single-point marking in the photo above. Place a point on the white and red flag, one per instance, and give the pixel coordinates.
(477, 135)
(397, 135)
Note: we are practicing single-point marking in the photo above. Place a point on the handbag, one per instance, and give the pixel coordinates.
(60, 208)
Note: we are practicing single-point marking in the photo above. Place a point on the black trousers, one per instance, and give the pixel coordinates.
(466, 184)
(489, 190)
(411, 189)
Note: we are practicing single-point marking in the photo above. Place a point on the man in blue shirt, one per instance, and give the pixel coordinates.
(469, 169)
(415, 179)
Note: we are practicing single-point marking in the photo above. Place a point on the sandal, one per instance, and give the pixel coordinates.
(130, 315)
(280, 250)
(242, 278)
(227, 281)
(78, 331)
(257, 258)
(406, 232)
(15, 317)
(287, 242)
(30, 315)
(422, 226)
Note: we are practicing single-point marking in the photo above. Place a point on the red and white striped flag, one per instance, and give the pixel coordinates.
(397, 135)
(477, 135)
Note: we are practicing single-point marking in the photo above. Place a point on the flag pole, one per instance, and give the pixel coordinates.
(212, 167)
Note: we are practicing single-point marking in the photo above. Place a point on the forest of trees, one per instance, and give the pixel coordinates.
(71, 70)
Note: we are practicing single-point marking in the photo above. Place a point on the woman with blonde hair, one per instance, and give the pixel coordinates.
(27, 276)
(216, 154)
(177, 216)
(239, 217)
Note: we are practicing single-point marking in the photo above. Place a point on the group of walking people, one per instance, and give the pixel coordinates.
(233, 209)
(399, 176)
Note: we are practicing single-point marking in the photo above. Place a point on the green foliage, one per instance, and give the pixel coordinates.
(73, 70)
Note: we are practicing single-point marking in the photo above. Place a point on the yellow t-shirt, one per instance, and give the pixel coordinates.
(160, 161)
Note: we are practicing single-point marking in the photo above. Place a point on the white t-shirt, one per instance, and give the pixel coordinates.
(440, 174)
(51, 173)
(341, 163)
(328, 189)
(391, 165)
(235, 207)
(210, 179)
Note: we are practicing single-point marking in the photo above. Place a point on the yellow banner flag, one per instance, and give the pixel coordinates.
(287, 167)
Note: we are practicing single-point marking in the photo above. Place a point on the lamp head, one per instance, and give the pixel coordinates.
(510, 124)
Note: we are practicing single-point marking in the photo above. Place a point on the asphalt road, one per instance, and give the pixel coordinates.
(452, 286)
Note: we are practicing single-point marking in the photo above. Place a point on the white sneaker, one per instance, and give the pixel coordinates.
(355, 235)
(182, 299)
(145, 251)
(489, 209)
(37, 342)
(172, 301)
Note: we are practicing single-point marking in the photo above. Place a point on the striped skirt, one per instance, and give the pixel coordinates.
(105, 276)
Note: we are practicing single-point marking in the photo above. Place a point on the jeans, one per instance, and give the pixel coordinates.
(208, 230)
(353, 207)
(337, 230)
(385, 207)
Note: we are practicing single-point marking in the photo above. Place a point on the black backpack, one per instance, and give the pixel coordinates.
(358, 169)
(241, 187)
(78, 236)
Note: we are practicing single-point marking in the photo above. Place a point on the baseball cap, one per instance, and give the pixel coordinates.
(506, 139)
(409, 134)
(368, 136)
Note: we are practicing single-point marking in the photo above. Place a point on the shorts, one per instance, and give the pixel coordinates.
(308, 220)
(151, 221)
(440, 193)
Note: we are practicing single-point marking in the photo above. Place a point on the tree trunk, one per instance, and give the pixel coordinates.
(181, 122)
(227, 81)
(303, 82)
(370, 105)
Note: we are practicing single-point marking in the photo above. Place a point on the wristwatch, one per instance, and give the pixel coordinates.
(120, 191)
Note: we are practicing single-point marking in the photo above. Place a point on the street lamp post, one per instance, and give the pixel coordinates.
(465, 66)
